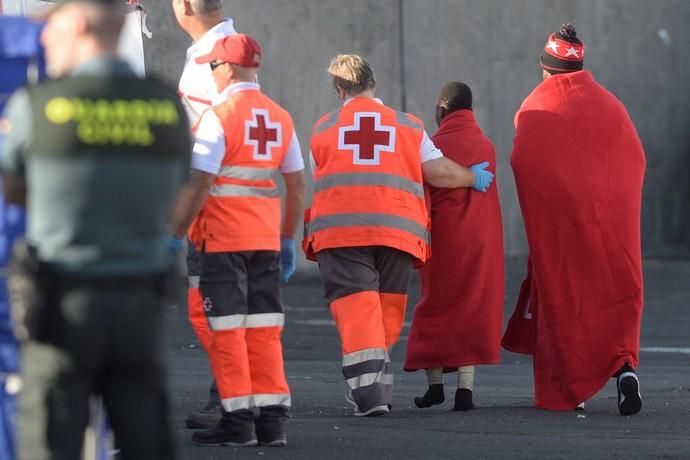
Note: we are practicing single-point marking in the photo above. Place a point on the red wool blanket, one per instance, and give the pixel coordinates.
(579, 167)
(459, 318)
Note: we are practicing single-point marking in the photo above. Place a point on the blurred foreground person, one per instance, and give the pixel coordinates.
(100, 155)
(203, 21)
(368, 224)
(458, 321)
(579, 168)
(233, 207)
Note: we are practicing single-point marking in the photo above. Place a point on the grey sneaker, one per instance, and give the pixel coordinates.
(373, 412)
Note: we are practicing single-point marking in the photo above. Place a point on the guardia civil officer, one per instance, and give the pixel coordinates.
(102, 154)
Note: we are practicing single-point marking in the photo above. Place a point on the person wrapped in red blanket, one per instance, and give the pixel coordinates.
(458, 322)
(579, 168)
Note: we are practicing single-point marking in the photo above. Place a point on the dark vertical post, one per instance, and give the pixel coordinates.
(401, 48)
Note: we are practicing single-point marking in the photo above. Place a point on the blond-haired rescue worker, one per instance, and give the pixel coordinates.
(368, 224)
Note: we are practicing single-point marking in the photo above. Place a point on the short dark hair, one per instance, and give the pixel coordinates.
(454, 96)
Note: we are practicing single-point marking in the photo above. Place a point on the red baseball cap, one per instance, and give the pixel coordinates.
(240, 49)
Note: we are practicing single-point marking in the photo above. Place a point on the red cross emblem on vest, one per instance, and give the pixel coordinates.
(367, 138)
(262, 134)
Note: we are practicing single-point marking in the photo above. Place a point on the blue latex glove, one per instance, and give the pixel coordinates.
(288, 258)
(175, 245)
(482, 177)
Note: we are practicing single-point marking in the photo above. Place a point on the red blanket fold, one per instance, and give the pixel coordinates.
(579, 167)
(459, 318)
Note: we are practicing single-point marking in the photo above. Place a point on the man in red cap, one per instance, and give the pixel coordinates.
(232, 208)
(579, 168)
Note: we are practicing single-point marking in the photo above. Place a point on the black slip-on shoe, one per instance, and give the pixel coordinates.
(463, 400)
(433, 397)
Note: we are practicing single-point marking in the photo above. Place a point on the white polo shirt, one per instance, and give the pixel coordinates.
(197, 88)
(209, 147)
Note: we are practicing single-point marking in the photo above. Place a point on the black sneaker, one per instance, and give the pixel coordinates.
(235, 429)
(271, 426)
(206, 417)
(629, 398)
(433, 396)
(463, 399)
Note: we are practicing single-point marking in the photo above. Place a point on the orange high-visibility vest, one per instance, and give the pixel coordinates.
(242, 211)
(368, 185)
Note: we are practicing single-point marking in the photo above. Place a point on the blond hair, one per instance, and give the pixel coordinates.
(352, 73)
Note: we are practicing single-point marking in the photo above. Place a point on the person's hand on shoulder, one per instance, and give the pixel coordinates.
(482, 177)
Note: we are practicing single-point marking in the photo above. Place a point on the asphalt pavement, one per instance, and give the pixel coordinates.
(505, 423)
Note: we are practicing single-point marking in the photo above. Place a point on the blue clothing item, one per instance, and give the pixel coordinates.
(288, 258)
(482, 178)
(20, 57)
(20, 54)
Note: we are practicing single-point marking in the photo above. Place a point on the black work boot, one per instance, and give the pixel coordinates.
(433, 396)
(628, 385)
(209, 415)
(235, 429)
(271, 426)
(463, 399)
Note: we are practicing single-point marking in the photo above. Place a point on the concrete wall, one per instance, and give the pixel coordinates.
(636, 48)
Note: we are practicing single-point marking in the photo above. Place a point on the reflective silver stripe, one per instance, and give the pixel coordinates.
(193, 282)
(364, 355)
(259, 400)
(263, 400)
(242, 190)
(368, 220)
(238, 403)
(382, 179)
(229, 322)
(404, 119)
(369, 379)
(329, 122)
(246, 173)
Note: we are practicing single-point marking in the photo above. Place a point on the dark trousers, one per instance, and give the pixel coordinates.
(104, 339)
(346, 271)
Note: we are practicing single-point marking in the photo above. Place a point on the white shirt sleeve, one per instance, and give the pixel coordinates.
(428, 151)
(209, 145)
(293, 161)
